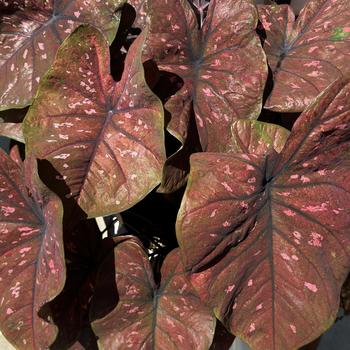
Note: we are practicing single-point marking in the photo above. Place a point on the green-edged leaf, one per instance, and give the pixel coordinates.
(32, 265)
(222, 65)
(267, 236)
(250, 136)
(169, 317)
(104, 138)
(308, 54)
(30, 37)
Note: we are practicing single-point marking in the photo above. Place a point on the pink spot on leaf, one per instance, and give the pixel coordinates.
(316, 239)
(289, 212)
(229, 289)
(311, 287)
(259, 307)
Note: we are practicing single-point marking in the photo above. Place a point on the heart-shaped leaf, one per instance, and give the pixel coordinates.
(168, 317)
(267, 236)
(105, 138)
(307, 55)
(222, 65)
(31, 255)
(30, 37)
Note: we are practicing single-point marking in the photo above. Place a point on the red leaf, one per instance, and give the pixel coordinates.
(306, 55)
(269, 233)
(30, 38)
(169, 317)
(223, 65)
(31, 255)
(104, 138)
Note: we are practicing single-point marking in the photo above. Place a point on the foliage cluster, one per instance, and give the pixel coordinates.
(173, 117)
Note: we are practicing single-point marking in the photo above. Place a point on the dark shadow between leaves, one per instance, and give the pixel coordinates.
(168, 85)
(54, 181)
(121, 43)
(286, 120)
(223, 339)
(13, 115)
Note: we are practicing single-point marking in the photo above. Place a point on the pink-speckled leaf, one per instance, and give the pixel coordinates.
(222, 65)
(251, 136)
(170, 316)
(267, 236)
(308, 54)
(30, 37)
(32, 267)
(141, 9)
(104, 138)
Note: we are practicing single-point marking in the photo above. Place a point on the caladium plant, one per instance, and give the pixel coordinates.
(225, 219)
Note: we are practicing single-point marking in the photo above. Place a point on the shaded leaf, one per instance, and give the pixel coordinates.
(105, 138)
(306, 55)
(222, 65)
(31, 255)
(256, 137)
(12, 131)
(267, 236)
(29, 39)
(169, 317)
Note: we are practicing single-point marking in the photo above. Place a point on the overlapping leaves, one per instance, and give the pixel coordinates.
(222, 65)
(266, 234)
(308, 54)
(31, 254)
(170, 316)
(30, 37)
(104, 138)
